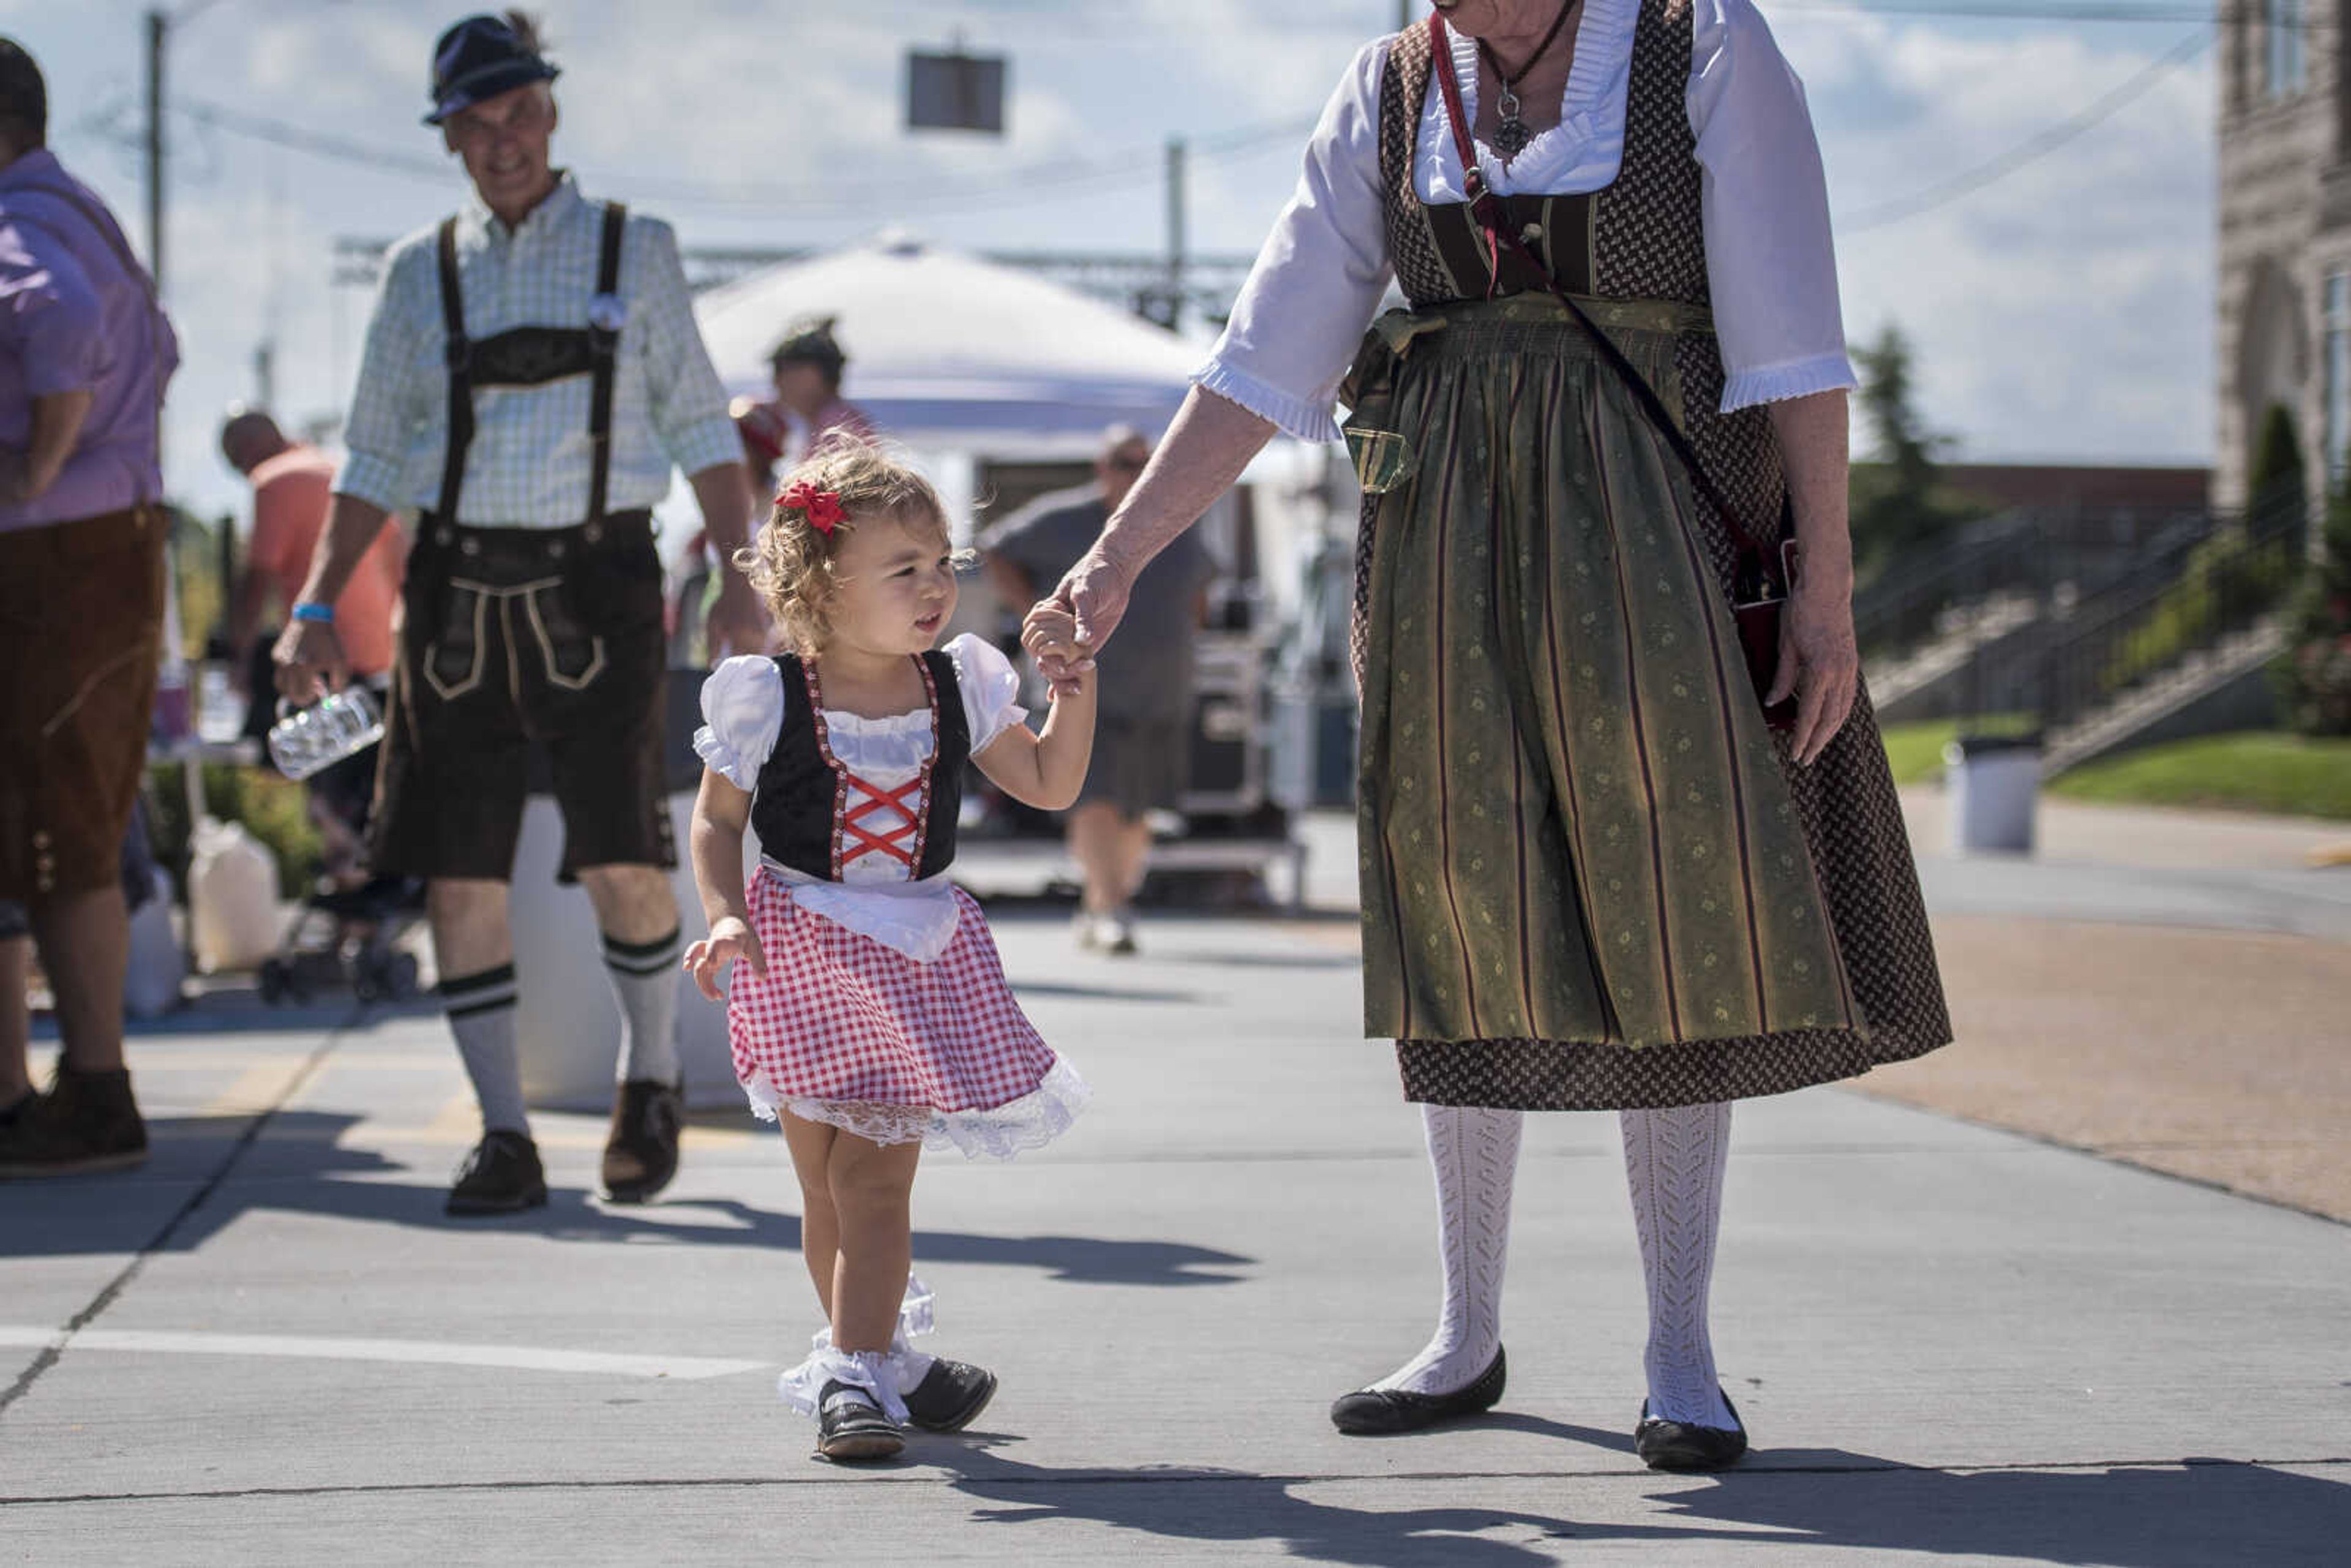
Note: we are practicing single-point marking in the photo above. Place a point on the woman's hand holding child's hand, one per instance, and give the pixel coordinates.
(730, 939)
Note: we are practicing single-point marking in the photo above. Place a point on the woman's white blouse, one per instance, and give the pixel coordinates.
(1770, 263)
(742, 710)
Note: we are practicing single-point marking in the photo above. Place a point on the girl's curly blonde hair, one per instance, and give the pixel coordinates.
(790, 561)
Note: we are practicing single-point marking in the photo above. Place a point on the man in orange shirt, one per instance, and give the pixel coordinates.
(291, 482)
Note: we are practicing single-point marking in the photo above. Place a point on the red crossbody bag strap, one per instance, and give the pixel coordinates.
(1756, 558)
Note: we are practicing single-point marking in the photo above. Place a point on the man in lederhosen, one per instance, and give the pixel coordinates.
(532, 372)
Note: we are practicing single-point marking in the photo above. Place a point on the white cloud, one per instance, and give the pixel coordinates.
(2064, 311)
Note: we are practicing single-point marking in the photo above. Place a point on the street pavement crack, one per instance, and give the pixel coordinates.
(52, 1353)
(942, 1476)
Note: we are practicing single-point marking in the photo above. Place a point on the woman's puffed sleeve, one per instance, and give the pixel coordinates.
(1770, 262)
(742, 710)
(1320, 277)
(990, 688)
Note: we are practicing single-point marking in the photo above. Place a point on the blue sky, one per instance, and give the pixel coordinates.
(2062, 312)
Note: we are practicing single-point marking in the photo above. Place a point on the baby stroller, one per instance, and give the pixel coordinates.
(346, 932)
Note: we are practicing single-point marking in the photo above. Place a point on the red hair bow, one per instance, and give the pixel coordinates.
(822, 507)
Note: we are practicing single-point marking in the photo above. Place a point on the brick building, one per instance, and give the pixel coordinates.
(2285, 233)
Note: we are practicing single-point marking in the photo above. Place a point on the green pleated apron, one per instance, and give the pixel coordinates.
(1573, 825)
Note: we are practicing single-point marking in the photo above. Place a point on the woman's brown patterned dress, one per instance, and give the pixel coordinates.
(1639, 240)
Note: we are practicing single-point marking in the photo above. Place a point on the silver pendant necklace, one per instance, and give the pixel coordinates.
(1512, 136)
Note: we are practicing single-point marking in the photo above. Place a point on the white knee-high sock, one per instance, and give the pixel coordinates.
(1674, 1162)
(1475, 1155)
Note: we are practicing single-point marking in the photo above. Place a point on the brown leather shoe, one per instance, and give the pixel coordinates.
(86, 1124)
(641, 1155)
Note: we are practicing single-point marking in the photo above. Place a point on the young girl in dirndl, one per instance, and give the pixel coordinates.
(867, 1008)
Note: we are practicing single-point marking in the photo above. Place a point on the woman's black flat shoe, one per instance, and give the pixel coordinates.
(851, 1430)
(950, 1397)
(1374, 1412)
(1665, 1445)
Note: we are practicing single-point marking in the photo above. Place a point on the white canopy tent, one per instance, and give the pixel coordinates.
(964, 361)
(951, 353)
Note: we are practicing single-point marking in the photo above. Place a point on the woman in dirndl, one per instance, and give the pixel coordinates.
(1594, 876)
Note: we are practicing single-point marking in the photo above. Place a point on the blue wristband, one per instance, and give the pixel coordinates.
(311, 610)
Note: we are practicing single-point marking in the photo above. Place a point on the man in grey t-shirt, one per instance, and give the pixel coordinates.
(1142, 754)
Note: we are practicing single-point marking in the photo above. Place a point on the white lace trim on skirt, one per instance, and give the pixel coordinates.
(1031, 1121)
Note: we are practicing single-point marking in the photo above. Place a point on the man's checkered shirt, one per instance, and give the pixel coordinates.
(528, 466)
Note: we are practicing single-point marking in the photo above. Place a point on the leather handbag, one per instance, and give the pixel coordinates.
(1759, 596)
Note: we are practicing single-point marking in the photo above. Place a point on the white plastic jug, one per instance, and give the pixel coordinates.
(151, 984)
(232, 897)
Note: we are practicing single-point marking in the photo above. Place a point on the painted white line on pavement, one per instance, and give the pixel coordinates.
(414, 1352)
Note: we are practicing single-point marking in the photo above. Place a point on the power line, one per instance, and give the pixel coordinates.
(1043, 180)
(2033, 148)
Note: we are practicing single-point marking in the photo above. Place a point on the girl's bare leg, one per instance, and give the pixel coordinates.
(811, 1147)
(870, 1185)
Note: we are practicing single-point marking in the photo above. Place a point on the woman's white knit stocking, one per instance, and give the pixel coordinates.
(1475, 1155)
(1674, 1162)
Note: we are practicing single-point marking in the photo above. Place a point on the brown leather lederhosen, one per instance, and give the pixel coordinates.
(517, 638)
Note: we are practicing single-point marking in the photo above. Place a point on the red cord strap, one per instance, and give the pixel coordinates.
(1759, 562)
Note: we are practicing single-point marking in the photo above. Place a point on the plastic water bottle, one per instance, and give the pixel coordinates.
(345, 724)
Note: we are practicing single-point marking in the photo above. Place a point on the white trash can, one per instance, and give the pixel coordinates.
(1994, 781)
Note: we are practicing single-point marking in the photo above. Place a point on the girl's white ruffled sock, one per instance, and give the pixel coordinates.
(908, 1366)
(1674, 1162)
(1474, 1154)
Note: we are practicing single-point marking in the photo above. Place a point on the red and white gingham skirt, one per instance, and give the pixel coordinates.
(846, 1031)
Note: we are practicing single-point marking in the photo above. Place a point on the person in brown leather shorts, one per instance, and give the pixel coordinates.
(84, 356)
(532, 376)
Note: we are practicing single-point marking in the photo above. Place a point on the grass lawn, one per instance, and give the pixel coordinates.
(1916, 751)
(2255, 771)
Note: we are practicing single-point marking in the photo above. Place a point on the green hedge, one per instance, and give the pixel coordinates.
(273, 810)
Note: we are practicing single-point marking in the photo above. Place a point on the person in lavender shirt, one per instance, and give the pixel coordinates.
(85, 353)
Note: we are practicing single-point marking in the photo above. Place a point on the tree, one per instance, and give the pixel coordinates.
(2313, 678)
(1898, 501)
(2275, 472)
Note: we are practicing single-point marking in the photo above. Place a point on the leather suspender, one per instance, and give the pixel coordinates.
(604, 342)
(459, 356)
(603, 334)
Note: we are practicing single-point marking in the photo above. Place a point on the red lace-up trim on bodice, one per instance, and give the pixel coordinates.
(847, 819)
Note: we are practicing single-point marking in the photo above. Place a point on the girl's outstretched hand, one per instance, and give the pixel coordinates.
(730, 939)
(1050, 634)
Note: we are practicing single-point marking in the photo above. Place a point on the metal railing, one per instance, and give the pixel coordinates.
(2191, 598)
(1909, 604)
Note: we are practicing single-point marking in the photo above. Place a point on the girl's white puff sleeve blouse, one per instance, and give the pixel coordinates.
(1770, 263)
(743, 709)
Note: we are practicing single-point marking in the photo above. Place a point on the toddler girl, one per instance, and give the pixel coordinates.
(867, 1008)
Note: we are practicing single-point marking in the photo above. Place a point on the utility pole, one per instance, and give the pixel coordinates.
(1174, 234)
(158, 24)
(1403, 15)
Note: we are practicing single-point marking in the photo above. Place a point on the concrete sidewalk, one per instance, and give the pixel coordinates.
(1951, 1345)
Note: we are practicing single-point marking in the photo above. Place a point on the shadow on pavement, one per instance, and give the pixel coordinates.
(1270, 960)
(1105, 993)
(2193, 1515)
(300, 1166)
(1234, 1506)
(237, 1009)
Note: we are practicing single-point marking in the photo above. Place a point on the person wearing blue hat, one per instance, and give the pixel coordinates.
(532, 374)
